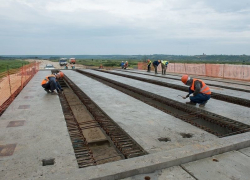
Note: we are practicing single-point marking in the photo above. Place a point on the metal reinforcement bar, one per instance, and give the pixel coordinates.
(84, 155)
(222, 97)
(216, 85)
(210, 122)
(123, 142)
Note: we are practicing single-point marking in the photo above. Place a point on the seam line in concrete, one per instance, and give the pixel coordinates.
(191, 174)
(244, 154)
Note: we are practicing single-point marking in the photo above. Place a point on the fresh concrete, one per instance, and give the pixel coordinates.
(178, 82)
(173, 173)
(44, 135)
(233, 111)
(224, 82)
(142, 122)
(161, 160)
(228, 166)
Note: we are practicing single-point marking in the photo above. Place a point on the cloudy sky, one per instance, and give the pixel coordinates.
(98, 27)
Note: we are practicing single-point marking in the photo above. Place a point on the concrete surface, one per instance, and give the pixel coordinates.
(142, 122)
(44, 135)
(228, 166)
(224, 82)
(173, 173)
(229, 110)
(178, 82)
(232, 165)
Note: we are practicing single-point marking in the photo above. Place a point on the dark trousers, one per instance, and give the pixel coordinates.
(199, 98)
(149, 68)
(52, 85)
(155, 69)
(163, 71)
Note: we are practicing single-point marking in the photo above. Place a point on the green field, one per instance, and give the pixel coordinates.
(105, 63)
(11, 64)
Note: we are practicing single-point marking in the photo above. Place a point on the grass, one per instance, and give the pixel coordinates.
(11, 64)
(105, 63)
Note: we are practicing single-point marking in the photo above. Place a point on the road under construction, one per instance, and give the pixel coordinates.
(126, 124)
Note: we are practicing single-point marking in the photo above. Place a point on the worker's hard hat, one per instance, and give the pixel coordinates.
(61, 74)
(185, 78)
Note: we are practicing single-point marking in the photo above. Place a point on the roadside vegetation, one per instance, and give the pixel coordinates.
(11, 64)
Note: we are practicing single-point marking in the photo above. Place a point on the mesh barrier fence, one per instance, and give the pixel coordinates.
(12, 82)
(238, 72)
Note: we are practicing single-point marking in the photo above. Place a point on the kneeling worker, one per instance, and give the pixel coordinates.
(201, 92)
(50, 83)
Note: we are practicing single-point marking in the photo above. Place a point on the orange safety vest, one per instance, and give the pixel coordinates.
(204, 89)
(46, 79)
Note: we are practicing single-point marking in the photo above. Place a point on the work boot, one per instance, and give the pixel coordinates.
(47, 90)
(54, 93)
(203, 104)
(191, 103)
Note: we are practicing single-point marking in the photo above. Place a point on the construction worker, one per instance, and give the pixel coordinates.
(149, 65)
(156, 63)
(201, 92)
(164, 65)
(50, 83)
(126, 65)
(66, 66)
(122, 65)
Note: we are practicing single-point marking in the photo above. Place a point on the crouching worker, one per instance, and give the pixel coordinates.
(50, 83)
(201, 92)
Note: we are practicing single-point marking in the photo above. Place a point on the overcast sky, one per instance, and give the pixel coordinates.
(97, 27)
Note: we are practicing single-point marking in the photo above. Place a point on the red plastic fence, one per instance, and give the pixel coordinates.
(239, 72)
(12, 82)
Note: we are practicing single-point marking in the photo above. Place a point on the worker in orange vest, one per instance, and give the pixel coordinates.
(201, 92)
(50, 83)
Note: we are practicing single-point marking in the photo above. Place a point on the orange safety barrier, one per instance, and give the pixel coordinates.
(238, 72)
(12, 82)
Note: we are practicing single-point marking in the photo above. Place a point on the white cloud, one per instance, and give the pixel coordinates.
(154, 20)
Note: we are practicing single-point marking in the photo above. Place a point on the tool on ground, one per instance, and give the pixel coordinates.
(183, 97)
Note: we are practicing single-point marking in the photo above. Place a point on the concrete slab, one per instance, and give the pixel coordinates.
(226, 82)
(231, 166)
(157, 161)
(43, 136)
(173, 173)
(178, 82)
(233, 111)
(245, 151)
(142, 122)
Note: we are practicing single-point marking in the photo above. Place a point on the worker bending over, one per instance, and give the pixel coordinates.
(149, 65)
(122, 65)
(156, 63)
(201, 92)
(164, 65)
(50, 83)
(126, 65)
